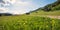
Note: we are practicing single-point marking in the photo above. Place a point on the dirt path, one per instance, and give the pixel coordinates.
(57, 17)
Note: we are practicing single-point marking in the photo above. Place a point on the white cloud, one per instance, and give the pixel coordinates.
(10, 1)
(19, 6)
(3, 10)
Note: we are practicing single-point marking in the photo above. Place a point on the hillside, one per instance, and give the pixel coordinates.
(50, 9)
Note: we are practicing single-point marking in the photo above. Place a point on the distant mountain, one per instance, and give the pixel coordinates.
(5, 14)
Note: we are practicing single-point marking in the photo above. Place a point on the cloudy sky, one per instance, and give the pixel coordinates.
(22, 6)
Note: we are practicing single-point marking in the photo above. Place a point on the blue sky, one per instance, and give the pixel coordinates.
(22, 6)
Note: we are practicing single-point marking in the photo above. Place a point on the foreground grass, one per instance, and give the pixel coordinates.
(25, 22)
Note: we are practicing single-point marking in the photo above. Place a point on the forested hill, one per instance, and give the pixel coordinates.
(51, 7)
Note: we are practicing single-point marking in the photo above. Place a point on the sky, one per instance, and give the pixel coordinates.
(22, 6)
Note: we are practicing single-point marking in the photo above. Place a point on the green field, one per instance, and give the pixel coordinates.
(27, 22)
(51, 13)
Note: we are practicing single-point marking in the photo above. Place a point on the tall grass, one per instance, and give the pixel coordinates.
(28, 23)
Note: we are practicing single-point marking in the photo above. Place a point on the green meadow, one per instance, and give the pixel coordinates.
(27, 22)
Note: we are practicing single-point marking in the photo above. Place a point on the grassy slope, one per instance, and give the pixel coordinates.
(55, 11)
(52, 13)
